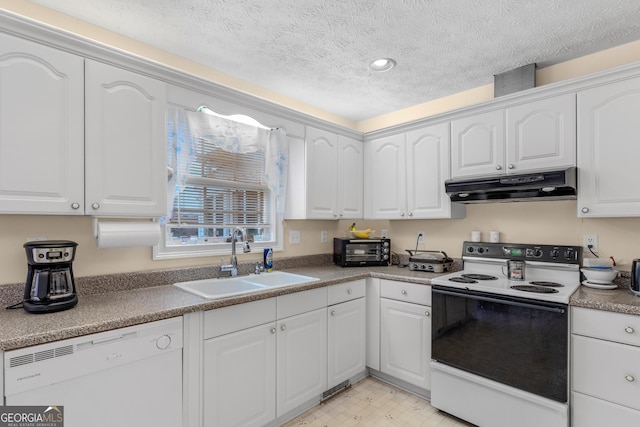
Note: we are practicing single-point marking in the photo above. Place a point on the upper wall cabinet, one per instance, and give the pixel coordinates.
(405, 174)
(125, 143)
(76, 140)
(41, 129)
(608, 129)
(329, 186)
(531, 136)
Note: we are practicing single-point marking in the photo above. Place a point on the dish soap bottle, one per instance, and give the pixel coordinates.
(268, 260)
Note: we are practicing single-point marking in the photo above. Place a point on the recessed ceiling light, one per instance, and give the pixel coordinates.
(382, 64)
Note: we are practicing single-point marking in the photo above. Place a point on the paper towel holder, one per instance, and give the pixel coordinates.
(147, 232)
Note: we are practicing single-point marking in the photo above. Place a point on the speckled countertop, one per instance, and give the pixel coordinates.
(100, 311)
(110, 302)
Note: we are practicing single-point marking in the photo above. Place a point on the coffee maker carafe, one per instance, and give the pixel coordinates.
(50, 286)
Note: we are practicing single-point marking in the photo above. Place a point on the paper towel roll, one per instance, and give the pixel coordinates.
(121, 234)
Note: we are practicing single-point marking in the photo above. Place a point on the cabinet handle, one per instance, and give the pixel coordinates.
(629, 378)
(512, 166)
(629, 330)
(341, 213)
(75, 205)
(401, 213)
(283, 327)
(585, 210)
(499, 167)
(335, 215)
(95, 206)
(349, 291)
(410, 213)
(273, 330)
(426, 313)
(333, 312)
(403, 292)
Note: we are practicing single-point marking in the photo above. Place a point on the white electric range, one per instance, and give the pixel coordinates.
(500, 347)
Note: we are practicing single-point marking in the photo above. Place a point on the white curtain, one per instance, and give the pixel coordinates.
(231, 136)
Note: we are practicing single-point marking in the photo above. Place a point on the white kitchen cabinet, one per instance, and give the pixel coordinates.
(239, 360)
(41, 129)
(530, 136)
(405, 332)
(405, 176)
(605, 350)
(301, 359)
(125, 147)
(608, 129)
(240, 379)
(333, 176)
(346, 346)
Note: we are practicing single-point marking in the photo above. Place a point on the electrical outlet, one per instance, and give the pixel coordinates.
(323, 236)
(294, 236)
(590, 240)
(420, 237)
(384, 233)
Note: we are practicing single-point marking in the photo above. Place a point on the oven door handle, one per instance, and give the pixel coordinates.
(501, 301)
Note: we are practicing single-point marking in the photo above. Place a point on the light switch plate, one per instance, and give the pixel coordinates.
(294, 236)
(323, 236)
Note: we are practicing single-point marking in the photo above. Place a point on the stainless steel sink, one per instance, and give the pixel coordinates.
(233, 286)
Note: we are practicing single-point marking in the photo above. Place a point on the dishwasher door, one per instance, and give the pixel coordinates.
(126, 377)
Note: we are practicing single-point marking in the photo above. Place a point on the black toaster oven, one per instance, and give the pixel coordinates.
(361, 252)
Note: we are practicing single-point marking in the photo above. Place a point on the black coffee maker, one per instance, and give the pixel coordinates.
(50, 286)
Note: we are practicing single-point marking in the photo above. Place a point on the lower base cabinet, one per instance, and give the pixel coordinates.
(301, 359)
(605, 373)
(405, 333)
(240, 379)
(347, 341)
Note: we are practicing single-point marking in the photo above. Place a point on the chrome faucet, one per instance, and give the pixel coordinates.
(233, 265)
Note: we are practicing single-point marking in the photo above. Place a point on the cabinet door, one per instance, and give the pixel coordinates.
(608, 129)
(322, 174)
(477, 145)
(41, 129)
(385, 178)
(350, 178)
(405, 341)
(301, 359)
(346, 345)
(125, 143)
(240, 378)
(427, 169)
(542, 134)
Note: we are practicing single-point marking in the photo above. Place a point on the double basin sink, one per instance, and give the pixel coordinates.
(233, 286)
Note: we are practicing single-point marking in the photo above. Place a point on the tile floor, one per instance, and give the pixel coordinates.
(372, 403)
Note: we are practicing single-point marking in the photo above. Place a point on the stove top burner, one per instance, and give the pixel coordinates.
(474, 276)
(548, 284)
(535, 289)
(462, 280)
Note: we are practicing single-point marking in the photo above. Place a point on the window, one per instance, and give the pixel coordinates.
(216, 187)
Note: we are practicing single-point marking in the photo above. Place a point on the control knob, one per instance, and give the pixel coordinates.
(554, 253)
(163, 342)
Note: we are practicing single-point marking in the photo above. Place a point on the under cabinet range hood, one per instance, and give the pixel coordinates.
(530, 186)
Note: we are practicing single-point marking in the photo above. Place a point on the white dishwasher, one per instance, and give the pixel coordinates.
(125, 377)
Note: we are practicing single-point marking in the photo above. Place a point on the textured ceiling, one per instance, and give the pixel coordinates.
(318, 51)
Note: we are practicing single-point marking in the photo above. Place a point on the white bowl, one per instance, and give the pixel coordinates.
(599, 275)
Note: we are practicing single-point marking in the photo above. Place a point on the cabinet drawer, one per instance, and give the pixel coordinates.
(587, 411)
(618, 327)
(301, 302)
(408, 292)
(606, 370)
(346, 291)
(238, 317)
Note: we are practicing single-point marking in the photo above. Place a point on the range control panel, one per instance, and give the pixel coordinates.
(523, 251)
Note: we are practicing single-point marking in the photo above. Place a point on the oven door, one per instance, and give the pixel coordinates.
(515, 341)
